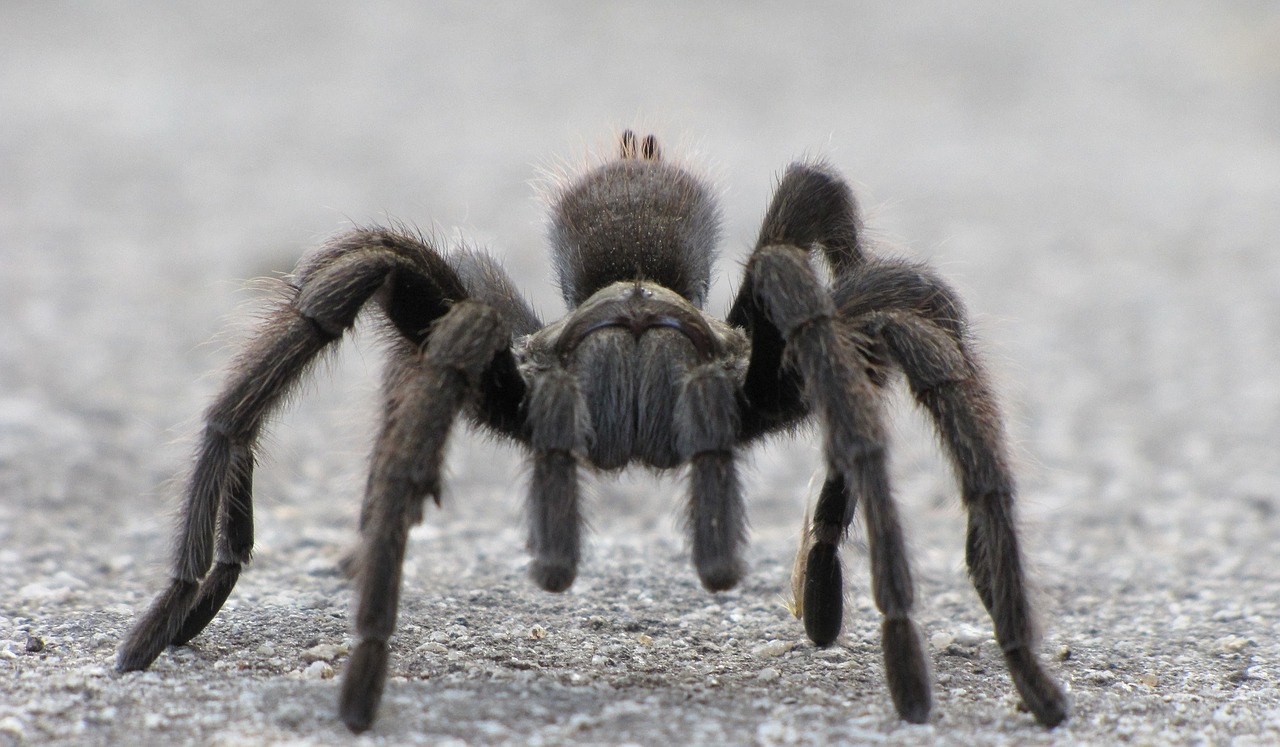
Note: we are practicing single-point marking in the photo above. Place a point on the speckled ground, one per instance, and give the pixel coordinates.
(1101, 181)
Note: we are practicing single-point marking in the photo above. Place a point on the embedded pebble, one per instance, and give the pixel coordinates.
(154, 721)
(41, 594)
(323, 652)
(13, 725)
(768, 674)
(772, 649)
(318, 670)
(774, 731)
(1231, 643)
(968, 635)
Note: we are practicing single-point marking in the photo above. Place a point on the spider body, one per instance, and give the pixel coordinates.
(636, 372)
(630, 346)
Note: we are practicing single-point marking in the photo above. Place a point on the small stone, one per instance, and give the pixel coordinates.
(772, 649)
(322, 652)
(967, 635)
(154, 721)
(941, 640)
(1232, 643)
(119, 563)
(774, 731)
(318, 670)
(39, 593)
(768, 674)
(1227, 614)
(320, 567)
(537, 633)
(34, 644)
(645, 639)
(1149, 680)
(581, 722)
(13, 725)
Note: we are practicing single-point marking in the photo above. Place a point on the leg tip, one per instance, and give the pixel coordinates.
(916, 713)
(1040, 694)
(907, 670)
(720, 576)
(362, 685)
(551, 575)
(1051, 715)
(129, 660)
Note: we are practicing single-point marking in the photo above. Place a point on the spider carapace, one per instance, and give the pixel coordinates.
(636, 372)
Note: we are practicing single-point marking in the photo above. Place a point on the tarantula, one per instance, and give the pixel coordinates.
(635, 373)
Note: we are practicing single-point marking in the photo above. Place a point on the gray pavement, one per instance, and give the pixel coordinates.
(1101, 180)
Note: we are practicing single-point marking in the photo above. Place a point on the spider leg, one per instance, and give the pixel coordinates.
(803, 362)
(424, 394)
(823, 601)
(234, 546)
(267, 371)
(322, 301)
(949, 384)
(555, 415)
(905, 666)
(812, 209)
(789, 297)
(708, 425)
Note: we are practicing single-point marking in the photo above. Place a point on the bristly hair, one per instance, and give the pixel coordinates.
(635, 217)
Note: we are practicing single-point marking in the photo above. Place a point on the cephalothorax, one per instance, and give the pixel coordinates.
(635, 373)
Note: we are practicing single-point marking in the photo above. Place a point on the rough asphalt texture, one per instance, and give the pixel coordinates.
(1101, 180)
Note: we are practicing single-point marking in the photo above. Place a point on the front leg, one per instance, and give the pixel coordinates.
(836, 388)
(424, 394)
(323, 300)
(804, 362)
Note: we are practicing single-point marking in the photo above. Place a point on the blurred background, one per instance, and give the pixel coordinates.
(1101, 181)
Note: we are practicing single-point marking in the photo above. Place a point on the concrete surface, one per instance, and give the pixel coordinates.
(1102, 181)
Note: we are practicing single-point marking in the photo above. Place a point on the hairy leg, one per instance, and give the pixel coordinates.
(323, 297)
(234, 546)
(790, 299)
(950, 385)
(823, 588)
(218, 493)
(424, 393)
(707, 424)
(556, 419)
